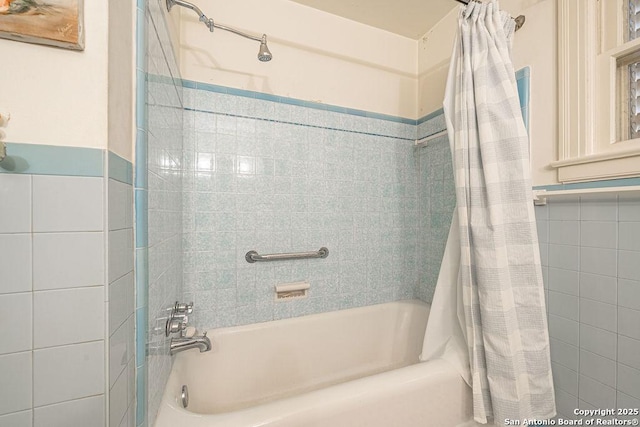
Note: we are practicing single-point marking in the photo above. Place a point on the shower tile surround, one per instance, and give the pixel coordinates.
(158, 199)
(277, 177)
(276, 174)
(591, 279)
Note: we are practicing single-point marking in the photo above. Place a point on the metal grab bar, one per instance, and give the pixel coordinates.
(253, 256)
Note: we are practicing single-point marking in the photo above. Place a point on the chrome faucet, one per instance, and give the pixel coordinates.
(186, 343)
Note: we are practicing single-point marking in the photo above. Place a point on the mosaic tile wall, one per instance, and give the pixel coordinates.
(275, 177)
(158, 204)
(437, 200)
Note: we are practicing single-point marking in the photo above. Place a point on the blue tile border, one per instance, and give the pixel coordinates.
(301, 124)
(430, 116)
(142, 217)
(120, 169)
(140, 180)
(141, 172)
(623, 182)
(37, 159)
(523, 82)
(293, 101)
(141, 394)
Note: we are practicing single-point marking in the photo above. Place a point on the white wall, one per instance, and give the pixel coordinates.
(122, 76)
(535, 45)
(57, 96)
(316, 56)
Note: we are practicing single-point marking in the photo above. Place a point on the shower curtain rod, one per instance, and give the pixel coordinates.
(519, 19)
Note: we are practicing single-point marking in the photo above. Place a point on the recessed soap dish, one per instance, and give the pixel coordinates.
(287, 291)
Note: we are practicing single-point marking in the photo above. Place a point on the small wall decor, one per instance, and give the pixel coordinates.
(52, 22)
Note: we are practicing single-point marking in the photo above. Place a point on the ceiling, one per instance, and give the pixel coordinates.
(409, 18)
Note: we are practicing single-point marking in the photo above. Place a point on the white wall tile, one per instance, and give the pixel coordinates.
(129, 419)
(118, 401)
(69, 372)
(15, 392)
(605, 208)
(565, 257)
(599, 288)
(15, 262)
(120, 205)
(564, 305)
(629, 265)
(67, 203)
(630, 236)
(629, 351)
(565, 210)
(629, 208)
(564, 232)
(564, 354)
(15, 193)
(598, 341)
(629, 322)
(75, 413)
(543, 231)
(121, 301)
(596, 393)
(565, 379)
(544, 253)
(542, 212)
(565, 281)
(120, 253)
(67, 260)
(626, 401)
(598, 314)
(629, 293)
(565, 403)
(598, 261)
(599, 234)
(121, 350)
(68, 316)
(131, 383)
(17, 419)
(629, 380)
(16, 318)
(563, 329)
(597, 367)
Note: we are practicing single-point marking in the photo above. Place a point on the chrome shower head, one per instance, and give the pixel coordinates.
(264, 54)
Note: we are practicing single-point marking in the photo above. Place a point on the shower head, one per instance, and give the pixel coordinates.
(264, 54)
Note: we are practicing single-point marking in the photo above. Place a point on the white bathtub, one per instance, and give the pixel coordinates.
(348, 368)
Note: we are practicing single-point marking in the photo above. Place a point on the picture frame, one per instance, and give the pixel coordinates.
(50, 22)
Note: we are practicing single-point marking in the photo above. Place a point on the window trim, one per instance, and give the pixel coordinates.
(588, 123)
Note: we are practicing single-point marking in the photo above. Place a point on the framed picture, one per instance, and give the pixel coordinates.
(52, 22)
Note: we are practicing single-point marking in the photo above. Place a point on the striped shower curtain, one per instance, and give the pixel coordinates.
(500, 277)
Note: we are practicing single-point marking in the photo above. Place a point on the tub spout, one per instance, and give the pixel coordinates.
(183, 343)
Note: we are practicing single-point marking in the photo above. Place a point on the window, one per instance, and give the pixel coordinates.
(599, 89)
(631, 74)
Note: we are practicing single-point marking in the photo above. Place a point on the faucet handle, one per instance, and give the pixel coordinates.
(183, 308)
(173, 326)
(177, 323)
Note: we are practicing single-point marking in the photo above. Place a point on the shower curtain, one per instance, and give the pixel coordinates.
(489, 297)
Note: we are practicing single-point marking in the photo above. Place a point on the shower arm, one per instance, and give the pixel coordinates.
(208, 21)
